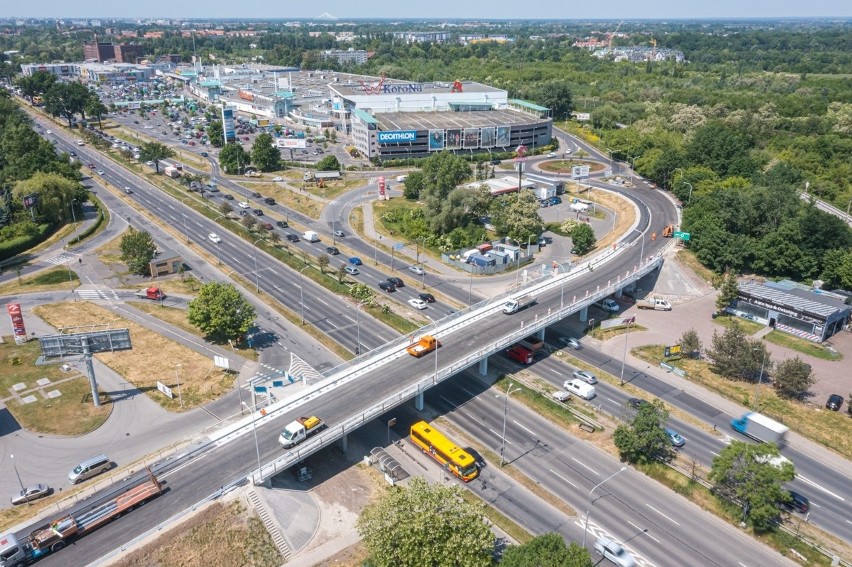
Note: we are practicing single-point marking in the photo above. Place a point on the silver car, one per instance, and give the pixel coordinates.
(30, 493)
(613, 551)
(587, 377)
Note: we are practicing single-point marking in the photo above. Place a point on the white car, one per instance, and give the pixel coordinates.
(570, 342)
(417, 270)
(243, 205)
(48, 131)
(214, 238)
(277, 179)
(614, 552)
(149, 162)
(551, 155)
(417, 303)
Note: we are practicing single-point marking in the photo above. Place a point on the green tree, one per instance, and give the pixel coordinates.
(722, 148)
(216, 134)
(137, 251)
(328, 163)
(690, 343)
(54, 192)
(583, 239)
(737, 357)
(341, 273)
(36, 84)
(837, 268)
(156, 152)
(249, 222)
(751, 474)
(323, 260)
(557, 96)
(413, 185)
(546, 550)
(95, 108)
(264, 154)
(233, 158)
(62, 100)
(220, 311)
(516, 216)
(393, 528)
(728, 292)
(793, 378)
(644, 440)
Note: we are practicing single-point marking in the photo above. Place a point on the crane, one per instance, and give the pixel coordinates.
(653, 43)
(612, 34)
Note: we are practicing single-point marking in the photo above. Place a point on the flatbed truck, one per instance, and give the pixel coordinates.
(425, 345)
(297, 431)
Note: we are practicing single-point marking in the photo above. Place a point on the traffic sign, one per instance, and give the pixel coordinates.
(681, 235)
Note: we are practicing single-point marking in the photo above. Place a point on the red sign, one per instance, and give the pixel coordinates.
(17, 317)
(381, 186)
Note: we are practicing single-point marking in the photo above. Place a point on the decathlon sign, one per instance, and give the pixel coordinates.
(396, 136)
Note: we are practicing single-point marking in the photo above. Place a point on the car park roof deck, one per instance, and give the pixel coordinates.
(432, 120)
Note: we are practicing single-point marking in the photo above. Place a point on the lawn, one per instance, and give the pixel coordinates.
(52, 279)
(153, 357)
(748, 327)
(829, 428)
(72, 413)
(803, 346)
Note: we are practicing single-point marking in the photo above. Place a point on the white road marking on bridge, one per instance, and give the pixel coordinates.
(661, 514)
(524, 428)
(564, 479)
(584, 465)
(815, 485)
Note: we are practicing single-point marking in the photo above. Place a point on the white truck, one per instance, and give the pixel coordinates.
(761, 428)
(297, 431)
(311, 236)
(657, 303)
(515, 304)
(171, 171)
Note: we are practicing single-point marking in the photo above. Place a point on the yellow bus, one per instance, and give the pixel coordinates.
(457, 460)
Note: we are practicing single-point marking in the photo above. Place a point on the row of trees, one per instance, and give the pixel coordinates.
(65, 99)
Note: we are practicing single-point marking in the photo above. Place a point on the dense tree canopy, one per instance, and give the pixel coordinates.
(233, 158)
(644, 440)
(137, 251)
(156, 152)
(546, 550)
(264, 154)
(221, 311)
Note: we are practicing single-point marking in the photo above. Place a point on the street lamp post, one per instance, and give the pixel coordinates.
(256, 277)
(642, 248)
(302, 297)
(624, 356)
(358, 325)
(688, 199)
(589, 509)
(562, 291)
(17, 474)
(509, 392)
(759, 380)
(239, 384)
(177, 378)
(185, 231)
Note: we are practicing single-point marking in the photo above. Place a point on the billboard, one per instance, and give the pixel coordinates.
(17, 317)
(453, 139)
(381, 187)
(579, 172)
(503, 136)
(291, 143)
(228, 124)
(471, 138)
(487, 137)
(396, 136)
(436, 140)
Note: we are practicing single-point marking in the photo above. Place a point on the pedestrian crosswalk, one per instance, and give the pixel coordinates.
(61, 259)
(97, 294)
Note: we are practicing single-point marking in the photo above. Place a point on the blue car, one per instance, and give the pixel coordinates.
(675, 438)
(355, 261)
(555, 201)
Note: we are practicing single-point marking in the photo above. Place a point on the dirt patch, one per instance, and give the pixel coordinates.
(154, 358)
(222, 535)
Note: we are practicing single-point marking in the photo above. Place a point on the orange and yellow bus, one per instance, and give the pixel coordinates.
(457, 460)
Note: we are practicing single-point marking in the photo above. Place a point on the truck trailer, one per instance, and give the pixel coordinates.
(532, 343)
(515, 304)
(761, 428)
(297, 431)
(18, 552)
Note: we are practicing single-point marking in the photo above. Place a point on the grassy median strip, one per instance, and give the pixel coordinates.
(52, 279)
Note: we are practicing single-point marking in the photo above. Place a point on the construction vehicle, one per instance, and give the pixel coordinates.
(15, 552)
(297, 431)
(668, 231)
(515, 304)
(657, 303)
(761, 428)
(532, 343)
(425, 345)
(520, 354)
(151, 293)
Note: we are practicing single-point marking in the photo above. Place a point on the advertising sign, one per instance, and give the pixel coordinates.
(381, 187)
(436, 140)
(17, 317)
(471, 138)
(579, 171)
(165, 390)
(228, 124)
(503, 136)
(453, 139)
(291, 143)
(30, 200)
(487, 137)
(396, 136)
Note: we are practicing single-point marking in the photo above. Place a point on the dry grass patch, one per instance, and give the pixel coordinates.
(72, 413)
(612, 332)
(829, 428)
(52, 279)
(153, 357)
(291, 197)
(687, 258)
(221, 535)
(616, 203)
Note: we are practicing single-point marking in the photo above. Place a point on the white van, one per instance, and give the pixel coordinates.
(311, 236)
(580, 388)
(609, 305)
(401, 178)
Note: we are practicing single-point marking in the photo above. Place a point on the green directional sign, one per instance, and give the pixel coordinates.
(681, 235)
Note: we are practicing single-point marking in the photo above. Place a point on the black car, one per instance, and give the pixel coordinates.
(256, 195)
(269, 201)
(332, 250)
(292, 238)
(637, 402)
(798, 502)
(387, 286)
(834, 402)
(427, 297)
(258, 212)
(281, 224)
(203, 154)
(396, 282)
(228, 196)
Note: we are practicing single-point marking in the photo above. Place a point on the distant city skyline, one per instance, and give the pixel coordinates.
(440, 9)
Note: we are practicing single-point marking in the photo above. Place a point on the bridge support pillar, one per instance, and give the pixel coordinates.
(418, 402)
(540, 334)
(584, 314)
(618, 293)
(483, 367)
(344, 443)
(265, 483)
